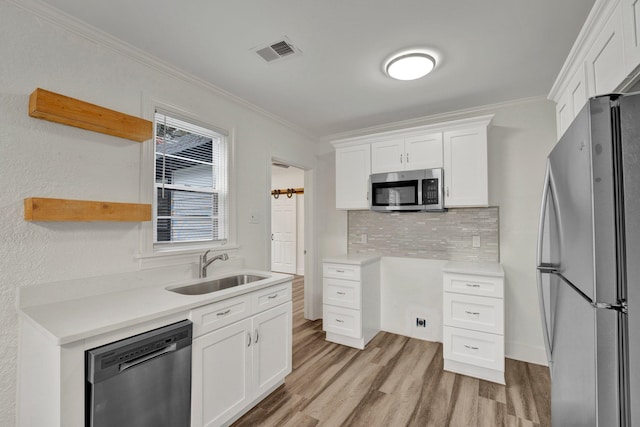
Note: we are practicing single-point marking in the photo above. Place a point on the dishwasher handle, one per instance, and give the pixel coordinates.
(130, 364)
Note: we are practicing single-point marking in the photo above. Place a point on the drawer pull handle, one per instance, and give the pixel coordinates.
(341, 293)
(473, 285)
(339, 271)
(470, 347)
(472, 313)
(339, 321)
(248, 339)
(272, 296)
(223, 313)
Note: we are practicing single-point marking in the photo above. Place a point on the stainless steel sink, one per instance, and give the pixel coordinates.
(218, 284)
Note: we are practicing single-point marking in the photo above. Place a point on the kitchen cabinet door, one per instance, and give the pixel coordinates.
(387, 156)
(221, 377)
(465, 168)
(631, 32)
(423, 151)
(407, 153)
(353, 167)
(605, 61)
(272, 348)
(574, 98)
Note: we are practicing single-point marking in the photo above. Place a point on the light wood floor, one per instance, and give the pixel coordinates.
(395, 381)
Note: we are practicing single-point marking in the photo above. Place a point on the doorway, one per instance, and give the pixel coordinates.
(287, 219)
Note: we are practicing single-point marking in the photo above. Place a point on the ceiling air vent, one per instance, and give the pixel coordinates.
(277, 50)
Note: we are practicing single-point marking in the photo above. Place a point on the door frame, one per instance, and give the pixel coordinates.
(312, 307)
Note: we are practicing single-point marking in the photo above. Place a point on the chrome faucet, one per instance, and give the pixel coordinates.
(204, 262)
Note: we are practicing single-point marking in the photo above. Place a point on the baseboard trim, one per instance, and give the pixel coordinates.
(526, 353)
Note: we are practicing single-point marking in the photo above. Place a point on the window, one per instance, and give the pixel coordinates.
(190, 183)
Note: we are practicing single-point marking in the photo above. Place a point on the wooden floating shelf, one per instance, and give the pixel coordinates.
(43, 209)
(73, 112)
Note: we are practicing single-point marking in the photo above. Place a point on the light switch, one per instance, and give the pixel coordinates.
(363, 239)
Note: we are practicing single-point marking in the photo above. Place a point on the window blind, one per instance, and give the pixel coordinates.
(190, 182)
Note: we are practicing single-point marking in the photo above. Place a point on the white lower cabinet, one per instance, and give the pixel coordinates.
(237, 365)
(351, 299)
(473, 312)
(222, 374)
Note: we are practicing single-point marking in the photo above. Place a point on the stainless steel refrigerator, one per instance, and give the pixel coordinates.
(589, 266)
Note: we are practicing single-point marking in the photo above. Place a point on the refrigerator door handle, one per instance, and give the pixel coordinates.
(540, 264)
(620, 306)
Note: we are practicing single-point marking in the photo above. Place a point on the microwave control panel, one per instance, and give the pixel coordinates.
(430, 191)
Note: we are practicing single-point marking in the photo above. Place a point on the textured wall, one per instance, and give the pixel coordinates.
(44, 159)
(433, 235)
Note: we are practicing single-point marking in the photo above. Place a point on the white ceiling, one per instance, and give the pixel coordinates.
(489, 51)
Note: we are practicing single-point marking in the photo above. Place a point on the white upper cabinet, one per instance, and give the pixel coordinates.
(353, 167)
(409, 153)
(604, 58)
(460, 147)
(574, 98)
(630, 24)
(387, 156)
(465, 167)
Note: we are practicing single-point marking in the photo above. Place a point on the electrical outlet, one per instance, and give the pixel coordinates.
(476, 241)
(421, 323)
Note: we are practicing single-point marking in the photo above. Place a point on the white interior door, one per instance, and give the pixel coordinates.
(283, 234)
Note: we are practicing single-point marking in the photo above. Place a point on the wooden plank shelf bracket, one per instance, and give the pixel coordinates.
(44, 209)
(54, 107)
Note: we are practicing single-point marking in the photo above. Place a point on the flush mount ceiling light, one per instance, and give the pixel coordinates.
(410, 66)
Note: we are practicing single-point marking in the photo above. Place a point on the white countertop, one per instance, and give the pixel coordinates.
(479, 268)
(354, 259)
(76, 319)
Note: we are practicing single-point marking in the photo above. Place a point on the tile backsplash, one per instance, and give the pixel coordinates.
(430, 235)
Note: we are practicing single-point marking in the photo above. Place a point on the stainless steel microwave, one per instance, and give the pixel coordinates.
(418, 190)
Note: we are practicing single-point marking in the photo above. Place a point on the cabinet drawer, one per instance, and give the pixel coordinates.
(475, 348)
(271, 297)
(341, 271)
(474, 285)
(343, 321)
(219, 314)
(473, 312)
(343, 293)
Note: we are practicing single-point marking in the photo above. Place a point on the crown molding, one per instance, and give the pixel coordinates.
(433, 120)
(104, 39)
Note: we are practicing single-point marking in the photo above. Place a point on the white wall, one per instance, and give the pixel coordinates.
(521, 136)
(44, 159)
(520, 139)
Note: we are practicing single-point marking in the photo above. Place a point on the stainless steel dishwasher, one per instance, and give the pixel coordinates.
(141, 381)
